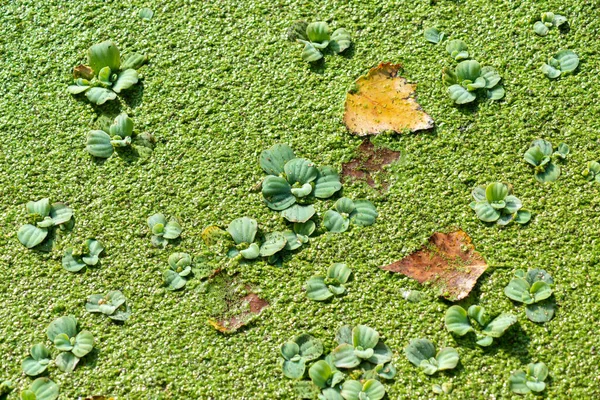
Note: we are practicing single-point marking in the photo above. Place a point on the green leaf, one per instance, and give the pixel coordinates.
(544, 146)
(277, 193)
(457, 49)
(541, 312)
(38, 360)
(66, 325)
(327, 183)
(319, 373)
(478, 314)
(41, 207)
(292, 241)
(447, 358)
(534, 156)
(133, 61)
(60, 213)
(122, 126)
(448, 76)
(477, 84)
(173, 280)
(497, 93)
(243, 230)
(304, 228)
(344, 335)
(121, 314)
(518, 290)
(105, 54)
(381, 354)
(373, 389)
(125, 80)
(540, 290)
(550, 173)
(297, 31)
(95, 248)
(457, 321)
(344, 205)
(332, 393)
(365, 337)
(156, 220)
(303, 191)
(550, 71)
(318, 32)
(364, 213)
(63, 342)
(562, 151)
(317, 290)
(536, 386)
(66, 362)
(310, 53)
(289, 350)
(274, 242)
(540, 28)
(517, 383)
(536, 274)
(433, 35)
(98, 144)
(558, 20)
(72, 263)
(492, 78)
(172, 229)
(499, 325)
(43, 389)
(387, 371)
(340, 40)
(30, 235)
(76, 89)
(335, 222)
(496, 191)
(419, 350)
(429, 367)
(522, 217)
(104, 76)
(84, 342)
(460, 95)
(568, 61)
(344, 356)
(479, 193)
(486, 212)
(468, 70)
(145, 13)
(513, 204)
(351, 390)
(538, 370)
(293, 369)
(339, 272)
(273, 160)
(298, 213)
(99, 96)
(310, 348)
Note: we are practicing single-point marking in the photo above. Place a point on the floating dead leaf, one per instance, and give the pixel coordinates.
(370, 160)
(449, 262)
(234, 304)
(383, 101)
(83, 71)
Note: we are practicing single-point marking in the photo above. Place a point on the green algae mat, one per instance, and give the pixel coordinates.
(221, 84)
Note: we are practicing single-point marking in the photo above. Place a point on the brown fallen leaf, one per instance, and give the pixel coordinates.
(383, 101)
(83, 71)
(370, 160)
(449, 262)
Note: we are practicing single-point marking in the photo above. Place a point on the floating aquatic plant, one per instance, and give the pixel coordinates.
(563, 63)
(103, 142)
(359, 212)
(163, 231)
(469, 78)
(316, 37)
(421, 352)
(534, 289)
(530, 380)
(320, 288)
(41, 389)
(548, 21)
(359, 344)
(114, 305)
(458, 321)
(495, 203)
(540, 155)
(43, 219)
(433, 35)
(180, 270)
(297, 352)
(38, 360)
(72, 343)
(592, 171)
(457, 49)
(74, 261)
(105, 74)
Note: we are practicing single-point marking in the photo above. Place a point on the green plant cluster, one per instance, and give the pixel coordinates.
(530, 380)
(469, 77)
(88, 254)
(422, 354)
(354, 370)
(321, 288)
(460, 322)
(592, 171)
(114, 305)
(433, 35)
(547, 21)
(495, 203)
(44, 218)
(534, 289)
(117, 136)
(317, 37)
(162, 230)
(540, 155)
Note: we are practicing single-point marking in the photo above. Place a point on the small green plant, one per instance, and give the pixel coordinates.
(359, 344)
(113, 304)
(146, 13)
(293, 184)
(299, 234)
(458, 321)
(118, 136)
(43, 219)
(540, 156)
(41, 389)
(371, 389)
(38, 360)
(360, 212)
(105, 74)
(73, 344)
(457, 49)
(533, 288)
(326, 377)
(6, 387)
(316, 37)
(74, 261)
(565, 62)
(243, 232)
(180, 270)
(320, 288)
(163, 231)
(530, 380)
(421, 352)
(468, 78)
(444, 388)
(297, 352)
(433, 35)
(548, 20)
(495, 203)
(592, 171)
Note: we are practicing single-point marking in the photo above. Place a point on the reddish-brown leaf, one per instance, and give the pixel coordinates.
(370, 160)
(449, 262)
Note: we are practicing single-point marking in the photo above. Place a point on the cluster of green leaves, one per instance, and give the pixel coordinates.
(117, 135)
(547, 21)
(360, 352)
(105, 74)
(421, 352)
(530, 380)
(293, 184)
(163, 231)
(181, 269)
(321, 288)
(534, 289)
(444, 388)
(495, 203)
(73, 345)
(540, 154)
(359, 212)
(113, 304)
(88, 254)
(565, 62)
(459, 322)
(43, 219)
(41, 389)
(592, 171)
(433, 35)
(316, 37)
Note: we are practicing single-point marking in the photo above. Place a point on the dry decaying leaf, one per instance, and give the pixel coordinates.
(238, 310)
(383, 101)
(370, 159)
(449, 262)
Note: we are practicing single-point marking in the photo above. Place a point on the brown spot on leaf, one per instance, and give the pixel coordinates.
(369, 161)
(449, 262)
(383, 101)
(83, 71)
